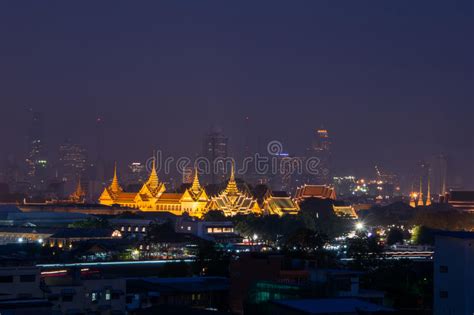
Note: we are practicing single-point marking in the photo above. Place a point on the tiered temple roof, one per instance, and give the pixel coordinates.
(279, 203)
(233, 202)
(314, 191)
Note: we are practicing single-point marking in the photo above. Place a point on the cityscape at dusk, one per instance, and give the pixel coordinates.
(205, 157)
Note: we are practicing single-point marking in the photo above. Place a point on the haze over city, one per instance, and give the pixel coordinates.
(391, 84)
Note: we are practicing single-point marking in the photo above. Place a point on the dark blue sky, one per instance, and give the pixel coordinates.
(391, 80)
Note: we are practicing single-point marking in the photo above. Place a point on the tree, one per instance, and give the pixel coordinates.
(423, 235)
(394, 236)
(365, 251)
(90, 223)
(158, 232)
(318, 215)
(306, 240)
(215, 215)
(211, 261)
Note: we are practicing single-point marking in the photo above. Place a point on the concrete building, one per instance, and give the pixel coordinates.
(453, 273)
(20, 292)
(75, 294)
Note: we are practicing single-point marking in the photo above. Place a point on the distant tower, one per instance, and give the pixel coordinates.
(215, 147)
(428, 193)
(321, 149)
(72, 160)
(36, 159)
(420, 194)
(443, 173)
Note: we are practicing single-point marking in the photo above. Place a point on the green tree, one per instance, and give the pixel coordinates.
(422, 235)
(90, 223)
(365, 252)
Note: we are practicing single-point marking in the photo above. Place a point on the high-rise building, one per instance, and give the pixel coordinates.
(137, 173)
(344, 185)
(36, 159)
(72, 161)
(321, 149)
(188, 175)
(216, 148)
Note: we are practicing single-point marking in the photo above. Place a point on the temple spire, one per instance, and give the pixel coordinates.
(232, 185)
(196, 187)
(115, 186)
(420, 194)
(428, 193)
(78, 194)
(153, 180)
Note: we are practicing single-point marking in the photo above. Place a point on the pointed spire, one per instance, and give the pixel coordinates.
(420, 194)
(232, 185)
(196, 187)
(79, 193)
(428, 193)
(115, 186)
(153, 180)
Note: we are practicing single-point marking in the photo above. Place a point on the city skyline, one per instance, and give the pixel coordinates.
(393, 104)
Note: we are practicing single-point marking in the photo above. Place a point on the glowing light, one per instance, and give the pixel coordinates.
(359, 226)
(20, 240)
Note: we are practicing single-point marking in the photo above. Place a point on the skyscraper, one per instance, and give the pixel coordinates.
(36, 158)
(72, 161)
(215, 148)
(321, 149)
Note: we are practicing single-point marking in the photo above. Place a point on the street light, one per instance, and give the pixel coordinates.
(359, 226)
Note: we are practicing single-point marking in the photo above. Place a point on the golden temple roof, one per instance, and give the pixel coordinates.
(153, 181)
(115, 186)
(231, 188)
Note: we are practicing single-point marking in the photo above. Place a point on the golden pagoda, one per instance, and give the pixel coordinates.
(153, 196)
(233, 202)
(194, 200)
(114, 194)
(420, 195)
(78, 196)
(428, 193)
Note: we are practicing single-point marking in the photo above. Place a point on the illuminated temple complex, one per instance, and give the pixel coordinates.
(194, 201)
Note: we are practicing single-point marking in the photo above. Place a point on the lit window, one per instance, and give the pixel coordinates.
(107, 295)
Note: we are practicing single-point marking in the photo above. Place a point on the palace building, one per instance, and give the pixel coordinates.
(233, 201)
(195, 202)
(152, 196)
(279, 203)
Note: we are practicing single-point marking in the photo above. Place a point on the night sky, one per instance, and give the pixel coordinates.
(392, 81)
